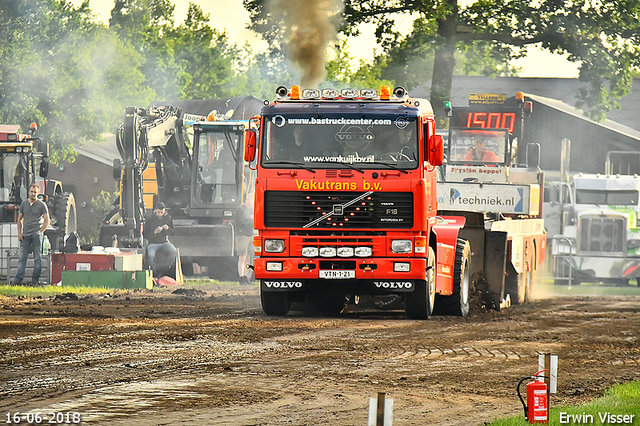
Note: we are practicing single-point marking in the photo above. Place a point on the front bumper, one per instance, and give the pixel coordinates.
(373, 275)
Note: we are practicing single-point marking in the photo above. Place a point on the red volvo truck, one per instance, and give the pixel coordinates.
(345, 203)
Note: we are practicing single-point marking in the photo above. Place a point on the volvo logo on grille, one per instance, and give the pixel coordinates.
(338, 209)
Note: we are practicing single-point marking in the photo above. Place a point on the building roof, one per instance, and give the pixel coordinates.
(568, 109)
(103, 152)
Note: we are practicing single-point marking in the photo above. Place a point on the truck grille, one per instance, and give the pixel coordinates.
(602, 234)
(379, 210)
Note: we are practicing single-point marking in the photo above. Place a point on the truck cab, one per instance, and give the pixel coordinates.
(346, 203)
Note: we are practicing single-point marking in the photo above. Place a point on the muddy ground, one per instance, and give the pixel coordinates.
(211, 357)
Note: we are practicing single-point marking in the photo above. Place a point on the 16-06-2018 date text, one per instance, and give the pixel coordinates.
(43, 417)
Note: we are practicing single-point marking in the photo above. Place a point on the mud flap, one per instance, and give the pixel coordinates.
(495, 263)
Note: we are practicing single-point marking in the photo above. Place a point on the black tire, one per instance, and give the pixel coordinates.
(458, 302)
(64, 219)
(65, 213)
(275, 303)
(419, 304)
(333, 303)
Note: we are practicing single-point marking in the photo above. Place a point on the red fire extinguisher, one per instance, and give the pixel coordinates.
(537, 408)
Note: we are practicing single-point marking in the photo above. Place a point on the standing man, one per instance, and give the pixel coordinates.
(157, 229)
(35, 215)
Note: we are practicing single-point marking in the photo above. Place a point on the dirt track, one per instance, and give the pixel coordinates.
(212, 358)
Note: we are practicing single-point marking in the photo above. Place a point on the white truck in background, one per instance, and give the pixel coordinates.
(593, 222)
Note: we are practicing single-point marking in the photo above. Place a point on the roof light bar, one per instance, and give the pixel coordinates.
(310, 94)
(369, 93)
(282, 92)
(295, 92)
(350, 93)
(385, 93)
(330, 93)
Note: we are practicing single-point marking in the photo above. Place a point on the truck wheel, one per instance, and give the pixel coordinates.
(458, 302)
(515, 285)
(64, 218)
(419, 304)
(275, 302)
(65, 213)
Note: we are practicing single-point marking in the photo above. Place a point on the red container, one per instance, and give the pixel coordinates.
(81, 261)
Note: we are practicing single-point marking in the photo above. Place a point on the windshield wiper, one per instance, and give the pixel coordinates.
(293, 163)
(351, 166)
(392, 166)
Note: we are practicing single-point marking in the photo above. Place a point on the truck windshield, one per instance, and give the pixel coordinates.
(338, 142)
(13, 177)
(611, 198)
(216, 160)
(477, 146)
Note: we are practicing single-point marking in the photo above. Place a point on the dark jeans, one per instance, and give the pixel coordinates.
(156, 252)
(31, 243)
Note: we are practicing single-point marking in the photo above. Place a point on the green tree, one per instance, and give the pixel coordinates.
(147, 27)
(63, 71)
(208, 57)
(599, 36)
(485, 36)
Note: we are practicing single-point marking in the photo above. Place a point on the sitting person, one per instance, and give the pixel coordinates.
(157, 228)
(479, 153)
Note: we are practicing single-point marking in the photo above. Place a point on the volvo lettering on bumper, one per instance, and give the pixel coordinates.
(281, 285)
(394, 285)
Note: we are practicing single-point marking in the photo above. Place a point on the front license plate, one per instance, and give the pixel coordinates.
(337, 275)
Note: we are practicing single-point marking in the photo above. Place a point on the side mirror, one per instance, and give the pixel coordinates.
(250, 146)
(117, 169)
(533, 155)
(435, 150)
(44, 148)
(44, 168)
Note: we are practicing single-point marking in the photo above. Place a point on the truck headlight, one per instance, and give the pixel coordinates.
(345, 251)
(310, 251)
(401, 246)
(328, 251)
(364, 251)
(274, 246)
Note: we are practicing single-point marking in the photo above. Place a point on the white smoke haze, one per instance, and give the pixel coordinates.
(310, 27)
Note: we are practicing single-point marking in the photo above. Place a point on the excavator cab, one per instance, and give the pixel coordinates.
(217, 164)
(218, 158)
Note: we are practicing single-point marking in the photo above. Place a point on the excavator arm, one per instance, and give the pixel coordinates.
(155, 130)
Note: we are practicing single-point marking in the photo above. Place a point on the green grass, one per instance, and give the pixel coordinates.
(619, 400)
(547, 288)
(51, 290)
